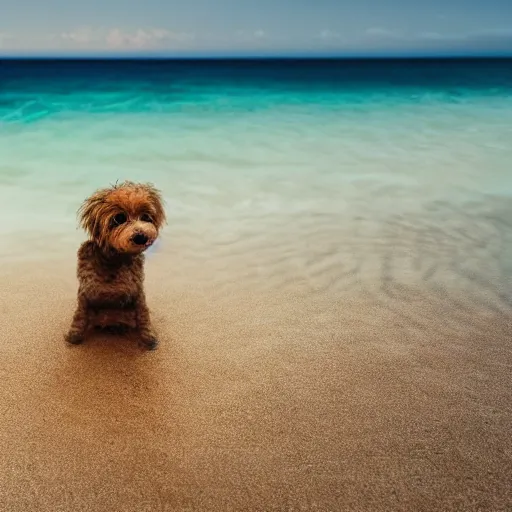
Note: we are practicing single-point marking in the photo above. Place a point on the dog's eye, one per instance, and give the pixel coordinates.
(146, 218)
(119, 219)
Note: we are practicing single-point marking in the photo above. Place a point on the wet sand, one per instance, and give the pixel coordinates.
(365, 368)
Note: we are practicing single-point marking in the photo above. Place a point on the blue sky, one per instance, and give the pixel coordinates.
(256, 27)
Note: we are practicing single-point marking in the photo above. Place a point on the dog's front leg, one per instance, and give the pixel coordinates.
(76, 333)
(147, 335)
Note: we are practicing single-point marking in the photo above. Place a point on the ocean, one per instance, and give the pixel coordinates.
(320, 172)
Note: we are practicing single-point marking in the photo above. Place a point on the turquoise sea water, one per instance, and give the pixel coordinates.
(315, 159)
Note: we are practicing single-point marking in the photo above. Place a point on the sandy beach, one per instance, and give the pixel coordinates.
(293, 384)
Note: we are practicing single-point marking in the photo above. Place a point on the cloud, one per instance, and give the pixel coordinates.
(379, 32)
(251, 35)
(148, 38)
(488, 40)
(83, 35)
(119, 39)
(328, 35)
(482, 40)
(434, 36)
(387, 34)
(498, 33)
(141, 39)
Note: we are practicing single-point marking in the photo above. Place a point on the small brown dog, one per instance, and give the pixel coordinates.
(122, 222)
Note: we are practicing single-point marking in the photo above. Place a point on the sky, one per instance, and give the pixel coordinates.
(255, 27)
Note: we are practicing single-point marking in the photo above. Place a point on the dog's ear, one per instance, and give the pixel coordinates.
(93, 215)
(155, 198)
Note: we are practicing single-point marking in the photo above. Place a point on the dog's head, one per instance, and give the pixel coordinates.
(125, 217)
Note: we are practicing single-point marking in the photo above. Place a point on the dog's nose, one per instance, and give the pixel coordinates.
(140, 239)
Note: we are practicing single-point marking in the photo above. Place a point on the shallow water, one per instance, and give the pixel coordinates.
(311, 174)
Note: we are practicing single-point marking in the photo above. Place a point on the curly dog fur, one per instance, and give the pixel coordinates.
(122, 222)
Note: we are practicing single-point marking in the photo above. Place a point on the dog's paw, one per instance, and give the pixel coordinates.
(149, 344)
(74, 338)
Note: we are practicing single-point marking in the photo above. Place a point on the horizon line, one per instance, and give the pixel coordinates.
(284, 56)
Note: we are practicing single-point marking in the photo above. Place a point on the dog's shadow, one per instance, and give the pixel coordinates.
(110, 385)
